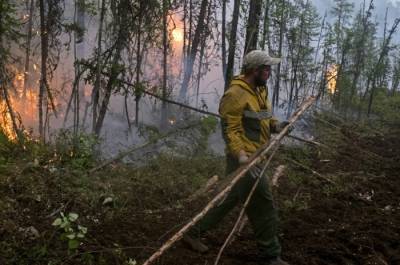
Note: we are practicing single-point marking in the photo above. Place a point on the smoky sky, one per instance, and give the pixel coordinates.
(378, 13)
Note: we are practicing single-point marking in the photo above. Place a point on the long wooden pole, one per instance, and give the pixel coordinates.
(236, 176)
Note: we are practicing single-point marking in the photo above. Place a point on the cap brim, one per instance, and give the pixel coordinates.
(273, 61)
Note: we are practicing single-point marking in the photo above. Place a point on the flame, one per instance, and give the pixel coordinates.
(6, 121)
(172, 121)
(177, 35)
(23, 104)
(331, 76)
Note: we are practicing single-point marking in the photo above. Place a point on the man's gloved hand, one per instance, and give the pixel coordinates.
(243, 157)
(283, 124)
(255, 171)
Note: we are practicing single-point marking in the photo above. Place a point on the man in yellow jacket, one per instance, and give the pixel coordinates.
(247, 123)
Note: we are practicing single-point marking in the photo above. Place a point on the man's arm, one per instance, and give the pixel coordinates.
(231, 109)
(273, 122)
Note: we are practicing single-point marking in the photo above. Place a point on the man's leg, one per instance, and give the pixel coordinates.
(216, 214)
(264, 220)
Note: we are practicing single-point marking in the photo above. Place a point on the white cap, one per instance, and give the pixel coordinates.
(257, 58)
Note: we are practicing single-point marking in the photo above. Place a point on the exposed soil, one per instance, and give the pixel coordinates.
(356, 221)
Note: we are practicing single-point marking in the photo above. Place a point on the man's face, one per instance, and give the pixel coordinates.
(261, 75)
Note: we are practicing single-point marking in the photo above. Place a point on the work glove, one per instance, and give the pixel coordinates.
(254, 171)
(279, 127)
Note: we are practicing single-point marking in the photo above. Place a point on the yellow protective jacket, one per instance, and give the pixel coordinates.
(247, 122)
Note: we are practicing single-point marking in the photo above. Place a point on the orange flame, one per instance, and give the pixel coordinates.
(331, 76)
(23, 104)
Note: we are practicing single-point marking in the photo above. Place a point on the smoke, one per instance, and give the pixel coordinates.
(395, 3)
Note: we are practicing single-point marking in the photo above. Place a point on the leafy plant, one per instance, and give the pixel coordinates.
(72, 232)
(78, 150)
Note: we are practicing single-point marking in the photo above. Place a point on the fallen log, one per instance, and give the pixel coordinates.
(306, 141)
(311, 170)
(238, 174)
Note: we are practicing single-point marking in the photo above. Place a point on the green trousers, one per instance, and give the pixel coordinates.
(260, 211)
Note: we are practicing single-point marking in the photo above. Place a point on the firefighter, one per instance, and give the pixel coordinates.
(247, 124)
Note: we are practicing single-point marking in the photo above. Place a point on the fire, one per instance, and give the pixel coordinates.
(172, 121)
(23, 104)
(177, 35)
(331, 76)
(6, 121)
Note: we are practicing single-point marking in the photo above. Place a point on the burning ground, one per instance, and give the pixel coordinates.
(129, 212)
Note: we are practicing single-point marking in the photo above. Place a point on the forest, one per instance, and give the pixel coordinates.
(114, 143)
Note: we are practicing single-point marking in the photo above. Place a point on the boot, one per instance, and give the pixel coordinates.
(195, 244)
(275, 261)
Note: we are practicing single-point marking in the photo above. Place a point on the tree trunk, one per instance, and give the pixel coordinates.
(165, 57)
(28, 48)
(232, 44)
(96, 88)
(202, 51)
(223, 37)
(252, 27)
(185, 35)
(43, 78)
(383, 54)
(265, 36)
(120, 25)
(275, 95)
(108, 89)
(193, 50)
(138, 65)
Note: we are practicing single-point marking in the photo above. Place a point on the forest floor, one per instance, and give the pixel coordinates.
(129, 212)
